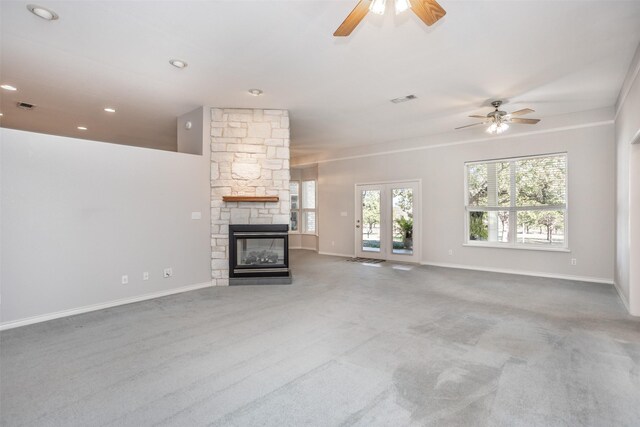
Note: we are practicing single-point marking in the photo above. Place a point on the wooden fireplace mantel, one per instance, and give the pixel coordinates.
(250, 198)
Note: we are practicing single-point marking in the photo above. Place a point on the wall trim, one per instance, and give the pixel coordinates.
(88, 308)
(336, 254)
(304, 248)
(468, 141)
(522, 272)
(629, 80)
(622, 297)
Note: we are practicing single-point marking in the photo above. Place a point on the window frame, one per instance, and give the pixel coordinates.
(302, 224)
(513, 210)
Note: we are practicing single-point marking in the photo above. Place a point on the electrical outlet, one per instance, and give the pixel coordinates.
(574, 261)
(450, 251)
(145, 275)
(125, 279)
(333, 243)
(168, 272)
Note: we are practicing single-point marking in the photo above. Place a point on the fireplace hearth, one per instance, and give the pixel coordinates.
(259, 254)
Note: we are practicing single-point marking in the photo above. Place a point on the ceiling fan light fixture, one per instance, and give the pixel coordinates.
(378, 6)
(401, 6)
(497, 128)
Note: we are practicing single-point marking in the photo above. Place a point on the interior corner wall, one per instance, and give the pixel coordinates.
(627, 262)
(77, 215)
(591, 217)
(192, 136)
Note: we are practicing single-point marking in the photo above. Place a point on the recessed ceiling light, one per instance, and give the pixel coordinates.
(178, 63)
(110, 110)
(1, 114)
(82, 128)
(42, 12)
(9, 87)
(255, 92)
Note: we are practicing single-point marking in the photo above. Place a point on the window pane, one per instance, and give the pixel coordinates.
(501, 220)
(295, 194)
(309, 222)
(477, 185)
(541, 181)
(545, 228)
(503, 178)
(293, 222)
(489, 226)
(309, 194)
(402, 205)
(479, 226)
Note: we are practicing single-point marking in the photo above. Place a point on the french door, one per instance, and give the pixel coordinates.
(388, 221)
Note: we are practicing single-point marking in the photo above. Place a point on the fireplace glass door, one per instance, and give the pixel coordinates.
(260, 251)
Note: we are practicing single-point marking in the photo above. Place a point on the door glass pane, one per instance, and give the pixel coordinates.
(402, 215)
(370, 225)
(293, 223)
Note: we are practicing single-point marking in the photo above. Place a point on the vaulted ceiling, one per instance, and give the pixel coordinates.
(554, 56)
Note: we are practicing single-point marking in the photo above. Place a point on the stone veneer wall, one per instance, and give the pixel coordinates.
(249, 157)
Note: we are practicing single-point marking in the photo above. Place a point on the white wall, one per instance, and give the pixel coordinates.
(77, 215)
(591, 230)
(627, 266)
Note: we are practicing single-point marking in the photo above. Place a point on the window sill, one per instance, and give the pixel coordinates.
(518, 247)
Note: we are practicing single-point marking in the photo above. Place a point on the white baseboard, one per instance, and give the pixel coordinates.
(73, 311)
(303, 248)
(522, 272)
(334, 254)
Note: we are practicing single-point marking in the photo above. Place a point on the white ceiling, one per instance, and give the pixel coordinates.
(554, 56)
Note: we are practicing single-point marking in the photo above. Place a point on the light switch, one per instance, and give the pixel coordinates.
(196, 215)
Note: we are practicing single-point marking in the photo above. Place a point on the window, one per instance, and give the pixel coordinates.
(309, 207)
(294, 189)
(303, 207)
(517, 202)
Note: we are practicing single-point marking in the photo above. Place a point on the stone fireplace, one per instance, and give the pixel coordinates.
(249, 157)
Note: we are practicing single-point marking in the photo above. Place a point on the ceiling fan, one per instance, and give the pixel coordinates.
(499, 120)
(427, 10)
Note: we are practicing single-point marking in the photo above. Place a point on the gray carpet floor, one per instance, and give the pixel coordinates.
(346, 344)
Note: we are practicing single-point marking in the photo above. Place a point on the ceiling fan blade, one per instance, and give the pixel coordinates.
(522, 112)
(475, 116)
(524, 121)
(351, 22)
(427, 10)
(468, 126)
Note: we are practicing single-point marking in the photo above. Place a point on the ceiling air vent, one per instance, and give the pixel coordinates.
(25, 106)
(404, 99)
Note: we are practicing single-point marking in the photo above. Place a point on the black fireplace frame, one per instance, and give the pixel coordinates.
(257, 231)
